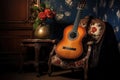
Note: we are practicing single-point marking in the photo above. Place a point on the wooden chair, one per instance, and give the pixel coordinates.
(95, 32)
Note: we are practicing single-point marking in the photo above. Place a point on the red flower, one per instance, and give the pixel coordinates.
(49, 13)
(42, 16)
(94, 29)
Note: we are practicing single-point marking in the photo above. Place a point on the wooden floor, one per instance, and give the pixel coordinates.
(64, 75)
(29, 73)
(32, 76)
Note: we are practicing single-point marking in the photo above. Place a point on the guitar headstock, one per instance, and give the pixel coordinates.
(81, 4)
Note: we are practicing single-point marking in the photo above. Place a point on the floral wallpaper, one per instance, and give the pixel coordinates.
(107, 10)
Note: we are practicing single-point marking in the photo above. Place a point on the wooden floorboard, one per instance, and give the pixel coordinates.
(32, 76)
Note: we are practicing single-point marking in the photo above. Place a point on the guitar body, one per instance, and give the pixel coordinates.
(70, 47)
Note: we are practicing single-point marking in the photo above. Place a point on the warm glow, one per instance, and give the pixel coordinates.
(40, 31)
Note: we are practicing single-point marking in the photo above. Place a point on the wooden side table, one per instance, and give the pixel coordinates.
(36, 43)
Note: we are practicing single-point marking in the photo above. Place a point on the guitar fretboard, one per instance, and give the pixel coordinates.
(78, 16)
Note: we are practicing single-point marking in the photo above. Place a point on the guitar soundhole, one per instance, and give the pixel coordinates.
(73, 35)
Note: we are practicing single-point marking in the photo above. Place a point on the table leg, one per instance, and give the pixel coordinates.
(37, 51)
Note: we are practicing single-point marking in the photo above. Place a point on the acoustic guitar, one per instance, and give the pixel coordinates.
(70, 46)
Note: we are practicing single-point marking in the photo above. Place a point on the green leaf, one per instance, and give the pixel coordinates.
(35, 25)
(37, 19)
(35, 8)
(42, 5)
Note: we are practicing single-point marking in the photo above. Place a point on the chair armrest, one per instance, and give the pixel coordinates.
(88, 50)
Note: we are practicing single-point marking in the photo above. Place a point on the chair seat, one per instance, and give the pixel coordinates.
(55, 60)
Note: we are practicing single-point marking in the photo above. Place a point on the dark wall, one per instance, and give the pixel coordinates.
(13, 28)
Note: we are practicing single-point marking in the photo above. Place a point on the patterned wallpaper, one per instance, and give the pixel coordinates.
(107, 10)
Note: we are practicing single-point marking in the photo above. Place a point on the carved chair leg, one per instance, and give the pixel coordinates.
(49, 67)
(86, 71)
(49, 61)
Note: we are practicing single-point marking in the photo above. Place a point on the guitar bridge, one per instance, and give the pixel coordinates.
(69, 48)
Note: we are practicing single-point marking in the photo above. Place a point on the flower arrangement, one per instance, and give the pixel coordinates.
(42, 14)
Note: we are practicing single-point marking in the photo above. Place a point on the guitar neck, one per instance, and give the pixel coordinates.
(77, 20)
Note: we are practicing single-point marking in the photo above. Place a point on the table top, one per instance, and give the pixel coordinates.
(38, 40)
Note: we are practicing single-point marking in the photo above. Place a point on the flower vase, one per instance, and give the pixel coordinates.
(42, 31)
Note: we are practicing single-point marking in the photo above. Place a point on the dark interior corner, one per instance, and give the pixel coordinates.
(16, 25)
